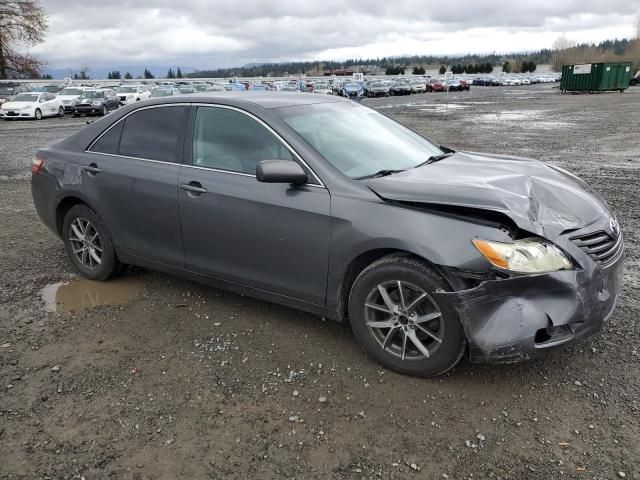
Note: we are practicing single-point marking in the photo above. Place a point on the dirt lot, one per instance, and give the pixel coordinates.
(185, 381)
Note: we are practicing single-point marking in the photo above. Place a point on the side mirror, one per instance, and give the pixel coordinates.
(280, 171)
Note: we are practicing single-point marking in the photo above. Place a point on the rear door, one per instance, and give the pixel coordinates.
(131, 175)
(273, 237)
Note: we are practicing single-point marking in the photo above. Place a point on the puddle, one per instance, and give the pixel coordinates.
(442, 107)
(523, 118)
(81, 294)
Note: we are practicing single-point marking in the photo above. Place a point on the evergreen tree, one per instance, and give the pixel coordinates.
(179, 73)
(170, 74)
(128, 76)
(147, 74)
(507, 67)
(442, 70)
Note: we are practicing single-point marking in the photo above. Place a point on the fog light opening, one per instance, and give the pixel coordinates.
(553, 334)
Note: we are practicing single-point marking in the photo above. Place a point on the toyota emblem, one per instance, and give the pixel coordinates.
(615, 227)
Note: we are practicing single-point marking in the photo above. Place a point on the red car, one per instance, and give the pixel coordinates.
(466, 84)
(435, 86)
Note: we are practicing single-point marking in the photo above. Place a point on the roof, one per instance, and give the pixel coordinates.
(262, 99)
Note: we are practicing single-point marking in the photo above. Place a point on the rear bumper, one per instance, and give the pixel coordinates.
(515, 319)
(44, 192)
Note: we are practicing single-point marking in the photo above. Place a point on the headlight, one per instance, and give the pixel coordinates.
(95, 103)
(528, 255)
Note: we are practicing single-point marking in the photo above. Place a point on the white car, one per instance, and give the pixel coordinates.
(323, 88)
(132, 93)
(68, 97)
(32, 105)
(418, 86)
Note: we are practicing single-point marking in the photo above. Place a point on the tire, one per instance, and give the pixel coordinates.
(444, 345)
(76, 115)
(38, 114)
(84, 262)
(104, 111)
(61, 112)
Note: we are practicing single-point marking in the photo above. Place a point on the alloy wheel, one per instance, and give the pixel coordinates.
(404, 320)
(85, 242)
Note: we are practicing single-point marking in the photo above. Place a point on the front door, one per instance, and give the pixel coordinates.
(274, 237)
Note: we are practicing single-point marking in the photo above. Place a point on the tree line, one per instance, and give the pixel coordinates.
(23, 23)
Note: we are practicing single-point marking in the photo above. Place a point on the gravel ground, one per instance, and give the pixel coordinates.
(186, 381)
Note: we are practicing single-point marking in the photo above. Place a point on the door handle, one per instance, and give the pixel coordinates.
(193, 187)
(92, 168)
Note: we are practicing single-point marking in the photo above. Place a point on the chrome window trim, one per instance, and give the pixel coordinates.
(212, 105)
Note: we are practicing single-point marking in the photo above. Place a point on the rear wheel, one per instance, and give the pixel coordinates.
(399, 323)
(88, 244)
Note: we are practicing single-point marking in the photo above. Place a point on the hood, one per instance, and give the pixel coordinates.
(17, 105)
(539, 198)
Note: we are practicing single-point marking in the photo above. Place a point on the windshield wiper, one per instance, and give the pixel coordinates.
(434, 158)
(379, 173)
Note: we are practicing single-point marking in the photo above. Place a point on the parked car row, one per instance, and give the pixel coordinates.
(97, 99)
(513, 80)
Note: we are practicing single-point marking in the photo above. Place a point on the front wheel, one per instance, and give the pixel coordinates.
(396, 319)
(61, 112)
(88, 244)
(38, 114)
(104, 111)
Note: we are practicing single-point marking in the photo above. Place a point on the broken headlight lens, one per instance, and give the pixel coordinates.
(528, 255)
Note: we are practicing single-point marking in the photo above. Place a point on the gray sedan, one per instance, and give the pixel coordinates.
(328, 206)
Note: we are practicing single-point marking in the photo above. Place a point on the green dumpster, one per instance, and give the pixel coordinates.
(595, 77)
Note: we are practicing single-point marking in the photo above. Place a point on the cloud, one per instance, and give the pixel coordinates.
(213, 33)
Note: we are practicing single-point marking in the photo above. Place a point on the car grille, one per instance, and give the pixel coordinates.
(123, 97)
(600, 246)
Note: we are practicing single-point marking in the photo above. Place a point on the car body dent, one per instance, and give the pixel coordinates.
(540, 199)
(502, 317)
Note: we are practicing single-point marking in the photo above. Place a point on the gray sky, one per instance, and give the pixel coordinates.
(214, 33)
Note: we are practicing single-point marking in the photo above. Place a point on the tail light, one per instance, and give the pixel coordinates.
(36, 165)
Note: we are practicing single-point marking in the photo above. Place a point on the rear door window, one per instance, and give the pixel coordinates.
(110, 141)
(154, 133)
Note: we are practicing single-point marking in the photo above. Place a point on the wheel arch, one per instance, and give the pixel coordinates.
(69, 201)
(366, 258)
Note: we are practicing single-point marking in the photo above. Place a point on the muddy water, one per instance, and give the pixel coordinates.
(81, 294)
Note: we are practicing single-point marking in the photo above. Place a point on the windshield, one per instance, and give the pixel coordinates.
(71, 91)
(26, 97)
(126, 90)
(6, 90)
(357, 140)
(92, 94)
(161, 92)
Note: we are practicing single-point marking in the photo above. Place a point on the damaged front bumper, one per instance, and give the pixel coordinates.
(510, 320)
